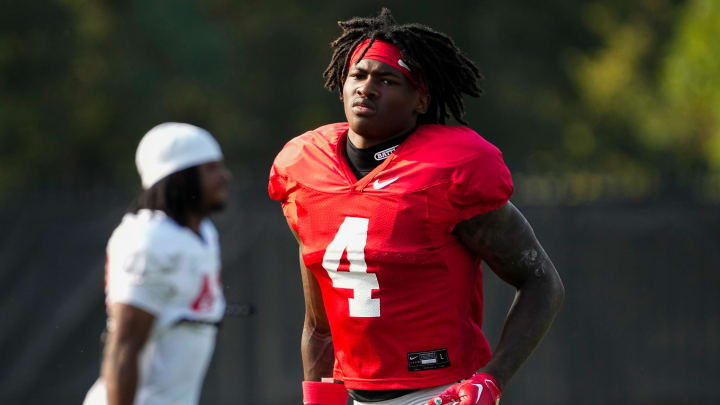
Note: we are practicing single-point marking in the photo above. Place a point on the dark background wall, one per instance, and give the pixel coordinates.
(607, 114)
(641, 323)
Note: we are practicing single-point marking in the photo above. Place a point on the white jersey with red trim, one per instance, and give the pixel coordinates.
(167, 270)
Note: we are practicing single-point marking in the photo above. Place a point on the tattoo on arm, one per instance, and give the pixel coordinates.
(506, 242)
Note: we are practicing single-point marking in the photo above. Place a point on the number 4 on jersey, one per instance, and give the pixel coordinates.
(352, 237)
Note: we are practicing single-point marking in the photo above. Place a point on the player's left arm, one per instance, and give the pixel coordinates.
(504, 239)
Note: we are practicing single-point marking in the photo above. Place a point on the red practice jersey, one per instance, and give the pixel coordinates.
(402, 295)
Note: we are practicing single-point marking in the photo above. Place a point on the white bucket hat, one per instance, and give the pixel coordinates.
(171, 147)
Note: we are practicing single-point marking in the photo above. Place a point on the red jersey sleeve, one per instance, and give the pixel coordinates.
(280, 188)
(305, 160)
(277, 185)
(482, 183)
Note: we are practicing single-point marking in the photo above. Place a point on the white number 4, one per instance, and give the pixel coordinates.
(352, 237)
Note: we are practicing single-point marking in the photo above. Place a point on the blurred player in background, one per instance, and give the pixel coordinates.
(164, 296)
(394, 212)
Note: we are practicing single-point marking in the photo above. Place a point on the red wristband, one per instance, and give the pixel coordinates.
(324, 393)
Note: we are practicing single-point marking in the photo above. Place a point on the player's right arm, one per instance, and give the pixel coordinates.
(316, 345)
(129, 331)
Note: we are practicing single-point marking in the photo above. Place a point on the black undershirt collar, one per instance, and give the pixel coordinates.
(363, 161)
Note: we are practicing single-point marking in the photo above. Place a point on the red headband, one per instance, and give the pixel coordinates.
(387, 53)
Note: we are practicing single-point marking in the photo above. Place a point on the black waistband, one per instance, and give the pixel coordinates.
(216, 324)
(377, 395)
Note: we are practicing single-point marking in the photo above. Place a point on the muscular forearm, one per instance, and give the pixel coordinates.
(317, 354)
(120, 371)
(531, 314)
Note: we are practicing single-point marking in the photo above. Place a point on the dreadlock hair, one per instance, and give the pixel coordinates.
(431, 55)
(176, 195)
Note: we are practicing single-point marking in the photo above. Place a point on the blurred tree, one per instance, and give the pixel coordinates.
(591, 95)
(648, 97)
(690, 82)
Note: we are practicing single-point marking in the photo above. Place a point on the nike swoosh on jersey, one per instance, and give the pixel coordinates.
(380, 184)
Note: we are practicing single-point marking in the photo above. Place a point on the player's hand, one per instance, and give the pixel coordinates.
(480, 389)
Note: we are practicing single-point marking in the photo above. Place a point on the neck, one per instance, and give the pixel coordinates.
(194, 221)
(364, 142)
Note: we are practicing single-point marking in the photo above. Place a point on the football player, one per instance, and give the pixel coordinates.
(394, 211)
(164, 297)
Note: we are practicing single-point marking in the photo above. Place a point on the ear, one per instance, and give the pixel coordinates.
(423, 102)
